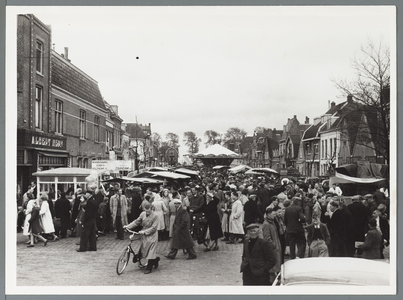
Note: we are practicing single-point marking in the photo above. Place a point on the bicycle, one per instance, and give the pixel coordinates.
(125, 256)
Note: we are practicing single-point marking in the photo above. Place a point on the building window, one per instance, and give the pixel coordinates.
(82, 124)
(39, 56)
(331, 147)
(59, 117)
(323, 148)
(326, 149)
(38, 107)
(96, 129)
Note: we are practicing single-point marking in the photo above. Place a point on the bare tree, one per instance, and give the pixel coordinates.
(213, 137)
(173, 140)
(371, 89)
(192, 141)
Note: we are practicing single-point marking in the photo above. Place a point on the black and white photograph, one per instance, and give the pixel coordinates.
(201, 150)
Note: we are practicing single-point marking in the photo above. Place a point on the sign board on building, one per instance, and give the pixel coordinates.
(112, 165)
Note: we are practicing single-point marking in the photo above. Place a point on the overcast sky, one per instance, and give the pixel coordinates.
(212, 68)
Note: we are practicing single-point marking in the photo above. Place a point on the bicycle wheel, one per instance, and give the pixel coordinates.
(123, 261)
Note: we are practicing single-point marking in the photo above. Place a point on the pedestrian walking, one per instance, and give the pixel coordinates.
(258, 258)
(160, 211)
(149, 237)
(88, 232)
(118, 207)
(46, 217)
(34, 227)
(181, 238)
(226, 213)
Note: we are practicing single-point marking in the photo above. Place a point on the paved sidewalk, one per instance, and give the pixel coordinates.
(58, 264)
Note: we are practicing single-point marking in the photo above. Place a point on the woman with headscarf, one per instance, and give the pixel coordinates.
(149, 236)
(213, 229)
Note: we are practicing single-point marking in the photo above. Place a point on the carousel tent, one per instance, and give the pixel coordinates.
(216, 155)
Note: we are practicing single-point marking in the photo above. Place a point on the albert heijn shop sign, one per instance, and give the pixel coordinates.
(40, 140)
(112, 165)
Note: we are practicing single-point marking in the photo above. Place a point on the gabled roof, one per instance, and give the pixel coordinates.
(134, 130)
(68, 77)
(335, 108)
(312, 131)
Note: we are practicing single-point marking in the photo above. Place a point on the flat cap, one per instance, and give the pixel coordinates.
(251, 226)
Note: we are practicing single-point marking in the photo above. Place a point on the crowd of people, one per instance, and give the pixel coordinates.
(288, 217)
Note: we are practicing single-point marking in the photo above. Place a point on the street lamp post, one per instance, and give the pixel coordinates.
(136, 162)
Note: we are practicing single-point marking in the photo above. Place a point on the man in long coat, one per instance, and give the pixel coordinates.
(181, 238)
(337, 230)
(118, 206)
(258, 258)
(88, 234)
(293, 220)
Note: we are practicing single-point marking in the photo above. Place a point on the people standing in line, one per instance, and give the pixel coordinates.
(62, 211)
(214, 231)
(181, 238)
(337, 229)
(318, 238)
(118, 207)
(88, 232)
(236, 220)
(149, 237)
(33, 226)
(293, 219)
(372, 243)
(270, 234)
(359, 214)
(258, 258)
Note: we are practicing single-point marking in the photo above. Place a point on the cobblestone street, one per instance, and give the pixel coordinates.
(61, 265)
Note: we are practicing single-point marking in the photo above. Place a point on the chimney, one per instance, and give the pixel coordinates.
(350, 98)
(295, 116)
(306, 120)
(333, 104)
(66, 53)
(328, 104)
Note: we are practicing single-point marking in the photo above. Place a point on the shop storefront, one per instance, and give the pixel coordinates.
(37, 151)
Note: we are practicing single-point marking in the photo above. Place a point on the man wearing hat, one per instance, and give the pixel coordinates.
(88, 234)
(258, 258)
(371, 205)
(359, 213)
(75, 209)
(337, 230)
(181, 238)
